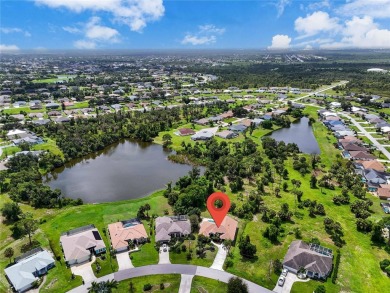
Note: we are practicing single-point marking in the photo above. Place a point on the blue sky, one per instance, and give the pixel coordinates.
(159, 24)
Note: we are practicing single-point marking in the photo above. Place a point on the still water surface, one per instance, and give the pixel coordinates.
(300, 133)
(124, 170)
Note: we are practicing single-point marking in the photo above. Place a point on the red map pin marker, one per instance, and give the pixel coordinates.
(218, 214)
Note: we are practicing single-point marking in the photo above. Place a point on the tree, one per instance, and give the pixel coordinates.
(320, 289)
(167, 140)
(103, 287)
(9, 252)
(278, 266)
(313, 182)
(237, 285)
(29, 226)
(131, 287)
(247, 249)
(11, 211)
(377, 235)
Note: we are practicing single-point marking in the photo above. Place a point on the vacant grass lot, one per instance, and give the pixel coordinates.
(202, 285)
(181, 258)
(171, 283)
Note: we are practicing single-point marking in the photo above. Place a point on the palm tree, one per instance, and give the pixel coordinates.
(103, 287)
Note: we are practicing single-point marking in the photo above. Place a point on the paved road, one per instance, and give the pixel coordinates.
(368, 135)
(319, 91)
(171, 269)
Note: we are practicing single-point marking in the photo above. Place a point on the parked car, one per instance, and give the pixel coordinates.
(281, 280)
(284, 272)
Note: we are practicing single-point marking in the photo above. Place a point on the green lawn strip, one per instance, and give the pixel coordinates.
(107, 265)
(147, 255)
(202, 285)
(181, 258)
(171, 283)
(10, 151)
(49, 145)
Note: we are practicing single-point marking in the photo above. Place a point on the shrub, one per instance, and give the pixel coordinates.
(147, 287)
(162, 286)
(320, 289)
(384, 264)
(336, 267)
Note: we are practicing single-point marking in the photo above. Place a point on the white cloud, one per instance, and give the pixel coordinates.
(71, 29)
(94, 34)
(8, 48)
(198, 40)
(96, 31)
(280, 42)
(210, 28)
(361, 33)
(134, 13)
(373, 8)
(315, 23)
(206, 35)
(84, 44)
(281, 5)
(316, 5)
(11, 30)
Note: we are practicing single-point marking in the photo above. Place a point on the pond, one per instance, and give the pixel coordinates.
(125, 170)
(300, 133)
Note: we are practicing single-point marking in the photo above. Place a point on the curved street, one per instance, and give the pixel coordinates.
(171, 269)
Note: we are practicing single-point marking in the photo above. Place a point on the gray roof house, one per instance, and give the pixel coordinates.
(167, 227)
(237, 128)
(28, 268)
(202, 135)
(315, 259)
(79, 244)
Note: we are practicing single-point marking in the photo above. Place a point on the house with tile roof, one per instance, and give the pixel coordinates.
(170, 227)
(121, 233)
(80, 244)
(226, 231)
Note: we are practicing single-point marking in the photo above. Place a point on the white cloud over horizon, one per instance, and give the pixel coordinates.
(8, 48)
(11, 30)
(133, 13)
(206, 35)
(280, 42)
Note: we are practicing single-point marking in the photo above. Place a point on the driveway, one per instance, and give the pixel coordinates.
(124, 261)
(185, 283)
(164, 256)
(219, 258)
(290, 280)
(84, 270)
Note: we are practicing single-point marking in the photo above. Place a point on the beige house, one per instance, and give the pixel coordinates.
(226, 231)
(80, 244)
(121, 233)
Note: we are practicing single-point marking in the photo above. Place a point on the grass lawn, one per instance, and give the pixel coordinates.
(48, 145)
(357, 249)
(181, 258)
(203, 285)
(147, 255)
(171, 283)
(107, 265)
(10, 151)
